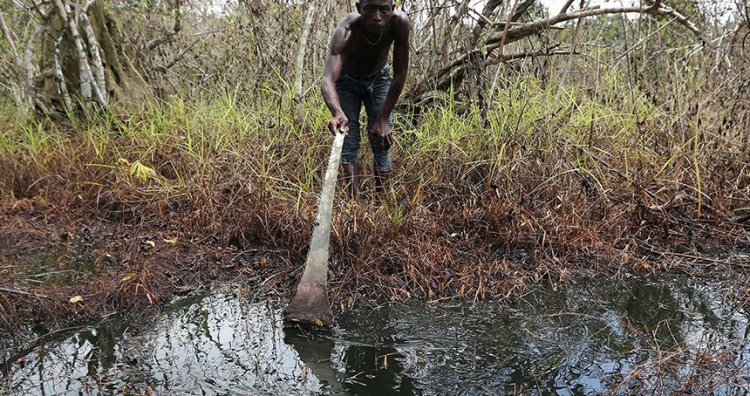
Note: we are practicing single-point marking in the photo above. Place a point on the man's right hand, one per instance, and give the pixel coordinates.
(338, 124)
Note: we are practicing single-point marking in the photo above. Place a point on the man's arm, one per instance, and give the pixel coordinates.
(331, 73)
(400, 69)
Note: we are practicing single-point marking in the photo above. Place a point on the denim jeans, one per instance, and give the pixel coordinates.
(353, 91)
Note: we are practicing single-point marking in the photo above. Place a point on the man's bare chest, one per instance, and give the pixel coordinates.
(363, 57)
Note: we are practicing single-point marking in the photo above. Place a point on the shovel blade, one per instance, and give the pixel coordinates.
(310, 304)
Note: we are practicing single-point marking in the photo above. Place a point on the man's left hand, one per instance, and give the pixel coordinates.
(381, 130)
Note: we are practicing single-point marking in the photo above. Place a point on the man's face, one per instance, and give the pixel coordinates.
(376, 14)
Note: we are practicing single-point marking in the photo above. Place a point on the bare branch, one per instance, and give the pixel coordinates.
(300, 64)
(179, 56)
(9, 40)
(39, 11)
(521, 9)
(21, 92)
(524, 55)
(453, 72)
(648, 36)
(565, 7)
(484, 20)
(452, 25)
(531, 28)
(507, 26)
(21, 292)
(168, 36)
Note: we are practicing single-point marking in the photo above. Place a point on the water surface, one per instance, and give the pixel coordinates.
(638, 336)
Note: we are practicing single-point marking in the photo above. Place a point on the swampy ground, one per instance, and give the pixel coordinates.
(116, 216)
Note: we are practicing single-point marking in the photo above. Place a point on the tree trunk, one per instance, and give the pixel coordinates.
(299, 66)
(82, 62)
(19, 91)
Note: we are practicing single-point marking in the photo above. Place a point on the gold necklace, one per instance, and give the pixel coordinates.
(376, 41)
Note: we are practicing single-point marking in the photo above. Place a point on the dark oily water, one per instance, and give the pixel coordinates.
(597, 337)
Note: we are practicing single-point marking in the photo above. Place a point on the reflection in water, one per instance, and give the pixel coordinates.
(642, 336)
(221, 345)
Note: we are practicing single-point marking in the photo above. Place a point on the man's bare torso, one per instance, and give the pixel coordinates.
(363, 55)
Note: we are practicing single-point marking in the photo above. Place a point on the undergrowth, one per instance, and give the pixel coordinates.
(551, 182)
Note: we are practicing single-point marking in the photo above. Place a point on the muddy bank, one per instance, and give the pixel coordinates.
(62, 261)
(60, 268)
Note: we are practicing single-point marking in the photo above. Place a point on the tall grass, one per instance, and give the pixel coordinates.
(552, 180)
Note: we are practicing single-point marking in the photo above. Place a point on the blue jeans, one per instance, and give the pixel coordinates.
(353, 91)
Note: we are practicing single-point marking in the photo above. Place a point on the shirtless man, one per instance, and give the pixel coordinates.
(357, 72)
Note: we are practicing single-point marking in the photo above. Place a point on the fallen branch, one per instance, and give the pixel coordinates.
(679, 198)
(23, 293)
(531, 28)
(524, 55)
(738, 261)
(510, 31)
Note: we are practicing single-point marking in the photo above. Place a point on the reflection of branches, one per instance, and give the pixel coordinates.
(36, 343)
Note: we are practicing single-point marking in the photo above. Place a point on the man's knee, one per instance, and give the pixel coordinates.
(382, 161)
(349, 158)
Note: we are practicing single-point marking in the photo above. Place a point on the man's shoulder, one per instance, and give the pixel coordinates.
(401, 17)
(343, 33)
(349, 20)
(400, 25)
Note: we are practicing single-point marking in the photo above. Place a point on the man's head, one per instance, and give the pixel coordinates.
(376, 14)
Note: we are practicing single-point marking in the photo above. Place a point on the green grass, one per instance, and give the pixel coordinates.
(276, 146)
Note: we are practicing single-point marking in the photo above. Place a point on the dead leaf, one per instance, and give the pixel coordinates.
(128, 277)
(172, 240)
(151, 243)
(75, 299)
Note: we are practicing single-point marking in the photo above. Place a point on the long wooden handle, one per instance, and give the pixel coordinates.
(317, 256)
(310, 304)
